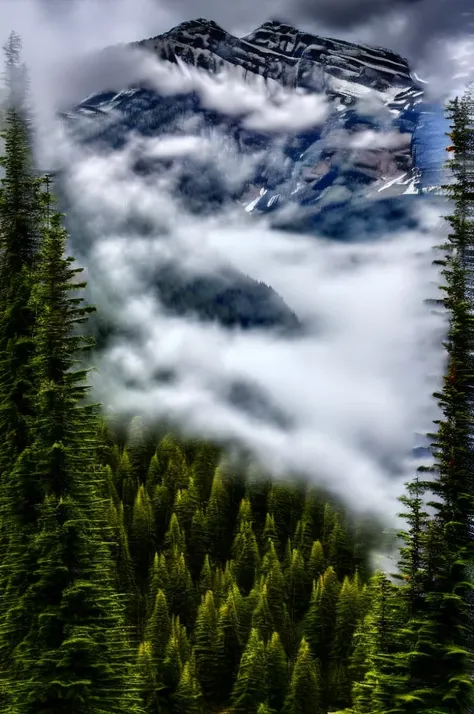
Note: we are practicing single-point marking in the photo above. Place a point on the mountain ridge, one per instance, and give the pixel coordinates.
(341, 191)
(290, 56)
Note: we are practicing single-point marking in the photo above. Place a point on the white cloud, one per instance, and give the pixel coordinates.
(272, 109)
(368, 139)
(354, 389)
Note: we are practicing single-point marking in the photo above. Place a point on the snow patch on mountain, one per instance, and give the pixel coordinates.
(355, 112)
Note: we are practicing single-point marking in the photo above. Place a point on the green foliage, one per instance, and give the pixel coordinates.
(250, 688)
(304, 693)
(277, 672)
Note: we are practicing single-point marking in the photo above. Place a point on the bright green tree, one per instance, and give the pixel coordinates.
(304, 692)
(250, 688)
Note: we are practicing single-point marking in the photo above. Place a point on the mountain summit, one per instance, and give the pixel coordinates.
(289, 56)
(356, 173)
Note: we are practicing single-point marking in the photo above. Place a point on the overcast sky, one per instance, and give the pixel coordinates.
(435, 35)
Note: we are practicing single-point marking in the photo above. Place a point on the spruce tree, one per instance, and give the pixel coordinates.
(304, 694)
(188, 698)
(447, 595)
(348, 613)
(21, 211)
(276, 672)
(250, 688)
(206, 647)
(377, 680)
(73, 655)
(158, 628)
(246, 557)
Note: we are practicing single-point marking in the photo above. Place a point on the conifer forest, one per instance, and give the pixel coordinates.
(142, 572)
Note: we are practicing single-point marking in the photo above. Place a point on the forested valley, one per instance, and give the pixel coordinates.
(145, 573)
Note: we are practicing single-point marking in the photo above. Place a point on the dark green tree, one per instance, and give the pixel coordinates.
(277, 672)
(21, 212)
(72, 653)
(250, 688)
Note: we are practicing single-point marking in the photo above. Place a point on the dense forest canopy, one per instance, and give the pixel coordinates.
(146, 573)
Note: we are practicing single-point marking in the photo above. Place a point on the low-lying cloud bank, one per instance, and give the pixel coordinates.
(356, 387)
(353, 389)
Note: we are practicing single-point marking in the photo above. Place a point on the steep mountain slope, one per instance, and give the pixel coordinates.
(362, 171)
(285, 54)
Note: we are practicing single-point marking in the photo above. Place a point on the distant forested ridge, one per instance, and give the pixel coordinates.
(143, 573)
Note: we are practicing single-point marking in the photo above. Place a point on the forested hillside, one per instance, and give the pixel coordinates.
(147, 574)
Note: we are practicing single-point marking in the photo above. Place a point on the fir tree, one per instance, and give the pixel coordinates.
(304, 695)
(206, 647)
(188, 698)
(158, 628)
(246, 557)
(276, 672)
(74, 640)
(21, 211)
(250, 687)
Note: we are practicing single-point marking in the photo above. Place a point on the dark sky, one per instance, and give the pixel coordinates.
(414, 28)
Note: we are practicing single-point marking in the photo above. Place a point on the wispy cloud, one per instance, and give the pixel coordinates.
(353, 389)
(358, 384)
(367, 139)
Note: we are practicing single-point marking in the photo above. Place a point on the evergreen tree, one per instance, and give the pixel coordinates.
(340, 549)
(197, 545)
(206, 647)
(203, 469)
(158, 580)
(158, 628)
(320, 621)
(262, 619)
(21, 211)
(185, 504)
(172, 664)
(377, 679)
(304, 695)
(151, 689)
(250, 687)
(70, 625)
(234, 625)
(274, 581)
(246, 557)
(316, 561)
(438, 590)
(138, 445)
(276, 672)
(348, 612)
(296, 584)
(270, 534)
(218, 515)
(141, 534)
(188, 698)
(180, 591)
(154, 475)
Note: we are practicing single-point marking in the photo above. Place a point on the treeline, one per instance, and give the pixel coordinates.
(150, 575)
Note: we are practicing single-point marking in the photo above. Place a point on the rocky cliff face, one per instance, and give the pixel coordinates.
(347, 73)
(291, 57)
(353, 176)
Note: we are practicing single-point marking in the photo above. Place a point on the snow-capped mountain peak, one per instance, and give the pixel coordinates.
(292, 57)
